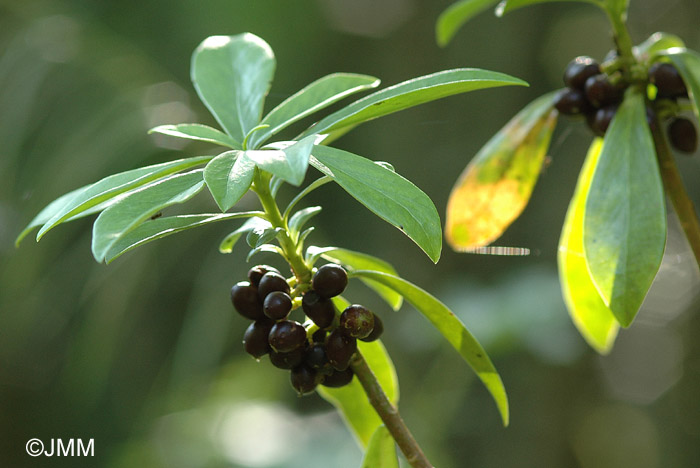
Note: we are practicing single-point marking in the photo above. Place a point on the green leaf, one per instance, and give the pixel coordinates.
(456, 15)
(381, 451)
(688, 64)
(228, 177)
(312, 98)
(269, 248)
(386, 194)
(657, 43)
(594, 320)
(451, 328)
(408, 94)
(624, 224)
(351, 400)
(128, 213)
(507, 6)
(289, 164)
(226, 245)
(361, 261)
(232, 75)
(261, 235)
(301, 217)
(114, 185)
(50, 211)
(154, 229)
(197, 132)
(497, 184)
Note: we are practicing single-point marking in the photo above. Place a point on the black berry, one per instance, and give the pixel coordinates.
(601, 92)
(339, 349)
(304, 379)
(571, 102)
(319, 336)
(316, 357)
(288, 360)
(683, 135)
(330, 280)
(286, 336)
(277, 305)
(579, 70)
(338, 378)
(244, 297)
(255, 339)
(270, 282)
(356, 321)
(318, 309)
(376, 331)
(257, 272)
(600, 120)
(667, 80)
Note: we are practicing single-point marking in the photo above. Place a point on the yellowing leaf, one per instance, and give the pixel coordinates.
(496, 185)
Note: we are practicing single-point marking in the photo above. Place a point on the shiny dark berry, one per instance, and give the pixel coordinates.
(356, 321)
(304, 379)
(244, 297)
(277, 305)
(683, 135)
(339, 349)
(600, 120)
(571, 102)
(338, 378)
(579, 70)
(288, 360)
(667, 80)
(255, 339)
(286, 336)
(601, 92)
(272, 281)
(318, 309)
(319, 336)
(256, 273)
(316, 357)
(376, 331)
(330, 280)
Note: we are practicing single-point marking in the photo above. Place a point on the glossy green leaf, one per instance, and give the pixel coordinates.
(289, 164)
(506, 6)
(197, 132)
(657, 43)
(232, 75)
(138, 206)
(456, 15)
(351, 399)
(361, 261)
(688, 64)
(260, 235)
(115, 185)
(408, 94)
(594, 320)
(381, 451)
(227, 244)
(497, 184)
(50, 211)
(312, 98)
(153, 229)
(301, 217)
(386, 194)
(451, 328)
(228, 177)
(269, 248)
(624, 225)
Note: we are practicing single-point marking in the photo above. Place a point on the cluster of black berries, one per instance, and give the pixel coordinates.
(591, 93)
(324, 356)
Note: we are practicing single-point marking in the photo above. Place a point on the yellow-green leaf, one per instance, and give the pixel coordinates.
(381, 452)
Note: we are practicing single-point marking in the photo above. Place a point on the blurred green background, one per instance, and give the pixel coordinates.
(144, 355)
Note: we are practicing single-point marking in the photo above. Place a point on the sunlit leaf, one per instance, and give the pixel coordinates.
(624, 224)
(114, 185)
(289, 164)
(228, 177)
(381, 451)
(269, 248)
(408, 94)
(351, 399)
(227, 244)
(261, 235)
(312, 98)
(688, 64)
(452, 329)
(161, 227)
(592, 317)
(507, 6)
(656, 43)
(496, 185)
(232, 75)
(50, 211)
(456, 15)
(362, 261)
(301, 217)
(137, 206)
(385, 193)
(197, 132)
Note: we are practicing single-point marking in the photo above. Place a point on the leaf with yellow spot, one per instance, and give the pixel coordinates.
(496, 185)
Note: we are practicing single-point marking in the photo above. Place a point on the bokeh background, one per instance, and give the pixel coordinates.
(144, 355)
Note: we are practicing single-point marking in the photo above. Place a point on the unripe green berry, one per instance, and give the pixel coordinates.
(356, 321)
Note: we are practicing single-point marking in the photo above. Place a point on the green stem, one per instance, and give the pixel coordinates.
(388, 413)
(676, 190)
